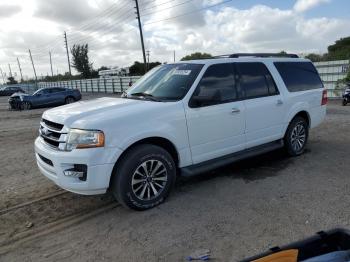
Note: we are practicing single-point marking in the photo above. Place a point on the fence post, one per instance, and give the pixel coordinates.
(92, 88)
(121, 84)
(98, 85)
(104, 83)
(113, 85)
(85, 86)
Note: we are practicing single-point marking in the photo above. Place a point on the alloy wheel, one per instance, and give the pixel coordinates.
(298, 137)
(149, 179)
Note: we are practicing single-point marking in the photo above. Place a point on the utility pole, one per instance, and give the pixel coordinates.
(51, 64)
(10, 70)
(3, 77)
(66, 44)
(141, 34)
(31, 59)
(174, 56)
(147, 59)
(20, 69)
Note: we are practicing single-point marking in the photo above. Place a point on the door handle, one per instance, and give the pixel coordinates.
(279, 102)
(235, 110)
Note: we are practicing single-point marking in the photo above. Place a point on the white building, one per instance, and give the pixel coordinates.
(332, 71)
(114, 72)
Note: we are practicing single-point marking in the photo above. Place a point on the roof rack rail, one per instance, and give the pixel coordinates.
(261, 55)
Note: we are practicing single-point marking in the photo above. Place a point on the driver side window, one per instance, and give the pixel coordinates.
(217, 86)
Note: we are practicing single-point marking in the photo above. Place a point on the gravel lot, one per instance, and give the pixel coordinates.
(236, 212)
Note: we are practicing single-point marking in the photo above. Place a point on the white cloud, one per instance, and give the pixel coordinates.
(304, 5)
(114, 39)
(9, 10)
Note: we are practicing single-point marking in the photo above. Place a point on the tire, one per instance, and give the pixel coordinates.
(131, 185)
(69, 100)
(26, 105)
(344, 102)
(295, 139)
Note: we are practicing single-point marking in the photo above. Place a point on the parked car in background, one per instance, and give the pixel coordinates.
(44, 97)
(9, 90)
(183, 118)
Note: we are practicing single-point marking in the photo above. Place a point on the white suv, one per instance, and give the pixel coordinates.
(182, 118)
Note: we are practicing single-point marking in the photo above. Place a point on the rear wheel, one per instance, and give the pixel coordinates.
(296, 136)
(345, 102)
(69, 100)
(143, 177)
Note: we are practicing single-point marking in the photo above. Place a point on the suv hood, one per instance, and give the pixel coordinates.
(84, 110)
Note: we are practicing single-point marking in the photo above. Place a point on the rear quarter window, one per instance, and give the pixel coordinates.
(299, 76)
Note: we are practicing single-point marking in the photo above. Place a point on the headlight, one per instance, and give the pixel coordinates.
(78, 138)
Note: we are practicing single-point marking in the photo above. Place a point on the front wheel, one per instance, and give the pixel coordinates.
(345, 101)
(144, 177)
(26, 105)
(69, 100)
(296, 136)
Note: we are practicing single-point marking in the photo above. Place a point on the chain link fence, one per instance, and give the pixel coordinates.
(96, 85)
(114, 85)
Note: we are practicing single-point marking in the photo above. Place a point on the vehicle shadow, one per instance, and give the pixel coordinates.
(250, 169)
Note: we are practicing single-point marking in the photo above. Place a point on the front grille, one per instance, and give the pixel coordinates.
(45, 160)
(53, 125)
(52, 134)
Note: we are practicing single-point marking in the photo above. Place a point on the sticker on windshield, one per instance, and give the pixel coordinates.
(182, 72)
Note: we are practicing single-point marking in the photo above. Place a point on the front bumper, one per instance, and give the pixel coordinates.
(99, 161)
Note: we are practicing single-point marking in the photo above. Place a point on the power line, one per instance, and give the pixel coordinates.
(166, 8)
(151, 7)
(188, 13)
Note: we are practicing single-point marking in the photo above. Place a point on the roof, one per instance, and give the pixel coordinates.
(243, 59)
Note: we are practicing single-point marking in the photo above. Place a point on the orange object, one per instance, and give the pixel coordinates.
(282, 256)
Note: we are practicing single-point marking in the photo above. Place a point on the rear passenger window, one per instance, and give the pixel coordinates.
(299, 76)
(256, 80)
(217, 86)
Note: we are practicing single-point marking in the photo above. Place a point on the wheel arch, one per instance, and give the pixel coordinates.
(154, 140)
(302, 113)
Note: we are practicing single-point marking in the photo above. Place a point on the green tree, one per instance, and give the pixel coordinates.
(196, 55)
(315, 57)
(11, 81)
(138, 68)
(339, 50)
(80, 60)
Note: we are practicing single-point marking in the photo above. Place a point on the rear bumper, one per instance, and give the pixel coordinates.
(317, 115)
(99, 162)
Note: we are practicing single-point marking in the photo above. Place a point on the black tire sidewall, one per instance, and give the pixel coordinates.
(69, 100)
(121, 184)
(345, 102)
(287, 139)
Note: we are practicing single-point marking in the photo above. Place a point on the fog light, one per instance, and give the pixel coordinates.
(73, 173)
(78, 171)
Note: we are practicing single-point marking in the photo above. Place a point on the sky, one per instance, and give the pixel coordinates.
(110, 29)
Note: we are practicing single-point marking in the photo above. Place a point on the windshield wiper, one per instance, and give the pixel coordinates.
(145, 95)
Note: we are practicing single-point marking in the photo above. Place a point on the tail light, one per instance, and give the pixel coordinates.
(324, 97)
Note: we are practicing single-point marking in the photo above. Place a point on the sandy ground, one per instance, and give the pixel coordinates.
(236, 212)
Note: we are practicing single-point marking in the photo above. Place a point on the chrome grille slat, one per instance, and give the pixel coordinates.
(52, 134)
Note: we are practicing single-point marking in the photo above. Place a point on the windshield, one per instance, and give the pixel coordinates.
(39, 91)
(166, 82)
